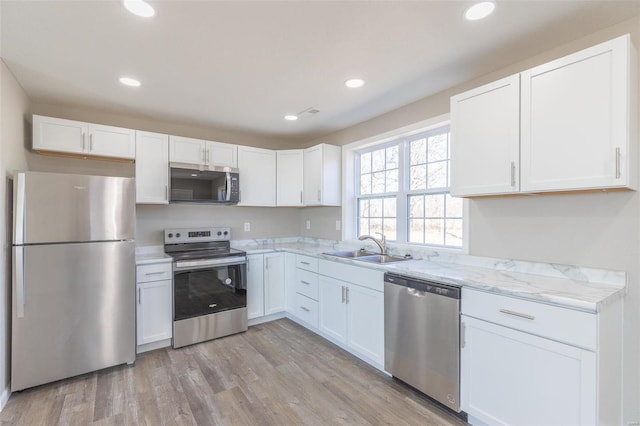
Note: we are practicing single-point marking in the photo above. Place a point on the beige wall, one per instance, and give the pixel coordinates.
(266, 222)
(323, 222)
(13, 105)
(596, 229)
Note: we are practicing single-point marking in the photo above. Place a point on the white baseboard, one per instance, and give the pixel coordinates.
(4, 397)
(153, 346)
(267, 318)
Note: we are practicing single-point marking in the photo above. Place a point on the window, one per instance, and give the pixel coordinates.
(403, 191)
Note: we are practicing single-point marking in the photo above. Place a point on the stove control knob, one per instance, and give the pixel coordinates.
(170, 235)
(226, 232)
(219, 233)
(178, 235)
(227, 281)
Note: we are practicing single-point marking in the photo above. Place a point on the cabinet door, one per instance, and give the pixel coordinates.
(366, 322)
(154, 321)
(274, 283)
(187, 150)
(485, 138)
(152, 168)
(575, 120)
(257, 176)
(509, 377)
(312, 186)
(333, 308)
(222, 154)
(109, 141)
(255, 286)
(289, 177)
(57, 134)
(290, 282)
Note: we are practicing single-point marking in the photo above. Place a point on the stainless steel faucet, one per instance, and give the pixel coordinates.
(382, 243)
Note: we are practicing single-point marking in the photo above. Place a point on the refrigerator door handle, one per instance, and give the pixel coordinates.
(18, 273)
(18, 235)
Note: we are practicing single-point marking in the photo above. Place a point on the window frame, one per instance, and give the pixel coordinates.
(351, 193)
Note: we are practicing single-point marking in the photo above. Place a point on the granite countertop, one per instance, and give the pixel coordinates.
(561, 285)
(151, 254)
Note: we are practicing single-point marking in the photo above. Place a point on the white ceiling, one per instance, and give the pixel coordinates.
(242, 65)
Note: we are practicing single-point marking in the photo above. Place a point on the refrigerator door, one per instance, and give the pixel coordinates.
(54, 208)
(73, 310)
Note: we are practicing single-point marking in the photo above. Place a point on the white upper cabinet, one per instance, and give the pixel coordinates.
(576, 116)
(187, 150)
(571, 126)
(152, 168)
(76, 137)
(257, 176)
(289, 177)
(222, 154)
(60, 135)
(202, 153)
(485, 139)
(109, 141)
(322, 175)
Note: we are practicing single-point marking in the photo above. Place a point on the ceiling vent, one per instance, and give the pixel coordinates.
(309, 112)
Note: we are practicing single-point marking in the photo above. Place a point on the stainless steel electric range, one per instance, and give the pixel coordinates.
(209, 284)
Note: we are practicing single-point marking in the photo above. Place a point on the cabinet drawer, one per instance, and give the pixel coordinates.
(564, 325)
(307, 283)
(306, 310)
(307, 262)
(153, 272)
(365, 277)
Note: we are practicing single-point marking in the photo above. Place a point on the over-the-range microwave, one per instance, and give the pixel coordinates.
(205, 185)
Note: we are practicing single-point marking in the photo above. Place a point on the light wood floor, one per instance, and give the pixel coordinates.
(275, 374)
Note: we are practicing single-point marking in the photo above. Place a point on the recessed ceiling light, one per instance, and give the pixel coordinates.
(479, 10)
(291, 117)
(127, 81)
(140, 8)
(354, 83)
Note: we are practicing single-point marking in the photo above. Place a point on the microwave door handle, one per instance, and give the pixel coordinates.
(228, 184)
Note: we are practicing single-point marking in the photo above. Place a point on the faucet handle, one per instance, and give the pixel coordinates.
(383, 237)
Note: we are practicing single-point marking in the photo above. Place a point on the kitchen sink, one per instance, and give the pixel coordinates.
(382, 258)
(350, 253)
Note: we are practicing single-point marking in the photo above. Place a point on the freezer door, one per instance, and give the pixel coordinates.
(73, 310)
(54, 207)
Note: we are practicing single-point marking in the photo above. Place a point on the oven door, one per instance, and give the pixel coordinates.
(202, 288)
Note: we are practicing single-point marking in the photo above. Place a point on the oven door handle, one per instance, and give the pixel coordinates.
(191, 265)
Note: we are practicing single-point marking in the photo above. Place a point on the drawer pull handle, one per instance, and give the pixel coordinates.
(305, 263)
(155, 273)
(517, 314)
(304, 282)
(305, 309)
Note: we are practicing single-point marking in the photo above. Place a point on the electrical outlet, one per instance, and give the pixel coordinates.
(338, 225)
(308, 224)
(247, 227)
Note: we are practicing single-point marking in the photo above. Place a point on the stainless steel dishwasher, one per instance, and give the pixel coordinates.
(422, 336)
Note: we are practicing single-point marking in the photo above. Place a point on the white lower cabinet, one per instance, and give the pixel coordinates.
(351, 309)
(274, 283)
(154, 303)
(529, 363)
(255, 285)
(353, 315)
(514, 378)
(304, 291)
(333, 309)
(265, 284)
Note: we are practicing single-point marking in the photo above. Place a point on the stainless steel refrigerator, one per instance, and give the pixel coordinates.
(73, 276)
